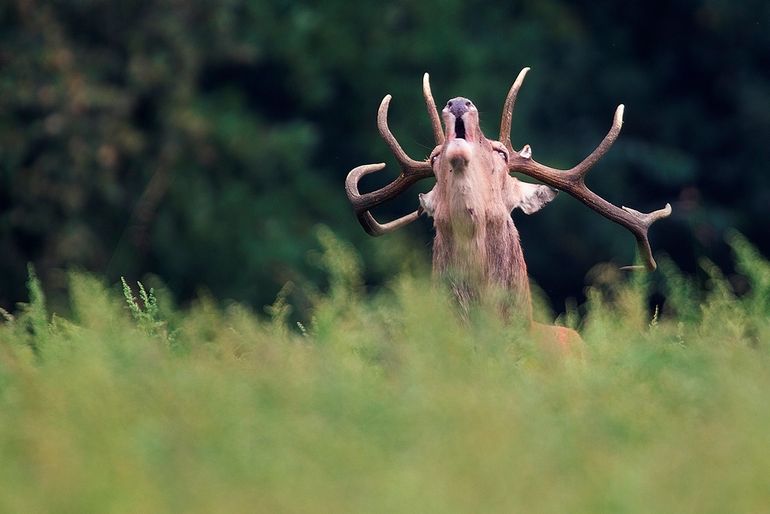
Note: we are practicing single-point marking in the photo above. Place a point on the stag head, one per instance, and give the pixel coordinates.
(472, 180)
(474, 193)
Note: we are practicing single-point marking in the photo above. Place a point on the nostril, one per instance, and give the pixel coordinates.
(459, 106)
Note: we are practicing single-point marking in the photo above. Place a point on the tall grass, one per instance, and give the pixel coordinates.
(387, 402)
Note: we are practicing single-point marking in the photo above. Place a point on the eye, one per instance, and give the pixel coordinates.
(500, 149)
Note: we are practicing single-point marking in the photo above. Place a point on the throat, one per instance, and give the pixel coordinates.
(487, 264)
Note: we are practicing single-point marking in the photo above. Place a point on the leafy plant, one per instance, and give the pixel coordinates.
(388, 402)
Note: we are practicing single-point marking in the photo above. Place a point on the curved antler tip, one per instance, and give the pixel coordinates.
(619, 113)
(435, 121)
(382, 112)
(510, 100)
(660, 213)
(522, 74)
(665, 212)
(361, 171)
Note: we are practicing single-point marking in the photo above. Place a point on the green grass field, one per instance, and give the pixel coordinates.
(385, 402)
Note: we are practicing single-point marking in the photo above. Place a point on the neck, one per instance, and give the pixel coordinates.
(478, 254)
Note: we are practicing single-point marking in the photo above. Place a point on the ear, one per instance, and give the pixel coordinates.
(529, 198)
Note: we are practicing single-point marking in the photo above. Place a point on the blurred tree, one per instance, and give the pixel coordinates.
(203, 141)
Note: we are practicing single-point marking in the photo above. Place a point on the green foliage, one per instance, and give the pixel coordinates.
(146, 315)
(33, 317)
(754, 268)
(388, 402)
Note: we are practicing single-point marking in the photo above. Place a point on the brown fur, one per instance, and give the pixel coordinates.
(476, 249)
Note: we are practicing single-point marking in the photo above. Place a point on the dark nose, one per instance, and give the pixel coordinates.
(459, 106)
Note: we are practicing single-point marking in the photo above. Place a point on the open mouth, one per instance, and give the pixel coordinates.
(459, 129)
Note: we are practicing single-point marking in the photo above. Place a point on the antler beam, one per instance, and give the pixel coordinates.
(573, 180)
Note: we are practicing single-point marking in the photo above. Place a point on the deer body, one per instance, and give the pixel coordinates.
(476, 249)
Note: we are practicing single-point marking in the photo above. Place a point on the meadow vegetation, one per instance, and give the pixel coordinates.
(384, 401)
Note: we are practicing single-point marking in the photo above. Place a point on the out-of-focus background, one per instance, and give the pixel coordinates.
(205, 142)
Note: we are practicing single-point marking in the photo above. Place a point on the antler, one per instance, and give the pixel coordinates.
(510, 100)
(573, 180)
(435, 120)
(411, 172)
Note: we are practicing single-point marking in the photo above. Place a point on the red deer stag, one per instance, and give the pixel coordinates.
(476, 247)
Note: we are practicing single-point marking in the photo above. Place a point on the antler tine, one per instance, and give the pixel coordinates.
(617, 123)
(408, 165)
(643, 243)
(411, 172)
(435, 121)
(362, 203)
(373, 228)
(573, 182)
(510, 101)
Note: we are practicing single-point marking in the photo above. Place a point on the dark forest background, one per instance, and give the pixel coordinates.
(204, 143)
